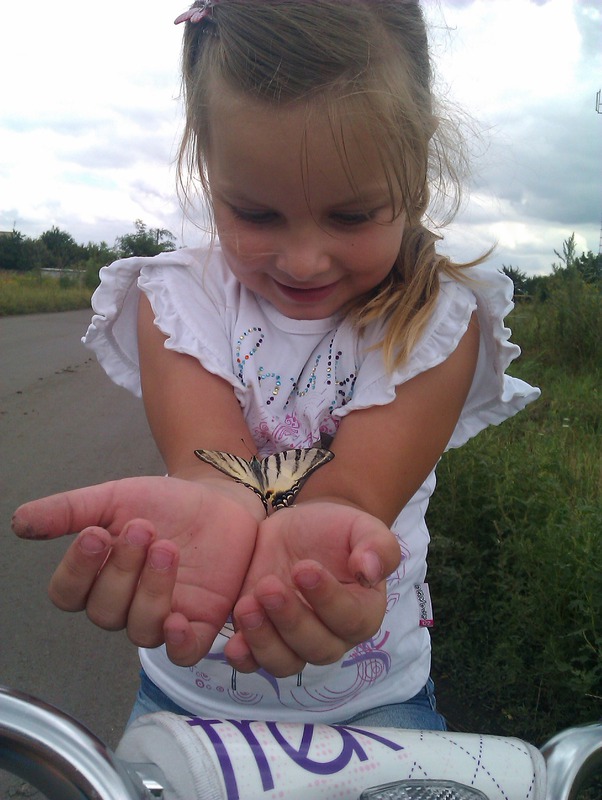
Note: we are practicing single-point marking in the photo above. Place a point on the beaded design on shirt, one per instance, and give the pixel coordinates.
(255, 337)
(242, 359)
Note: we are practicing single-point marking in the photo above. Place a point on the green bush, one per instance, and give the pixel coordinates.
(516, 562)
(564, 327)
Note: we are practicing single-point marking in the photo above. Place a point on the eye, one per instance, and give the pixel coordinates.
(254, 217)
(357, 218)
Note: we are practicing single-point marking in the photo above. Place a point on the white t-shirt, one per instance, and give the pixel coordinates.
(295, 380)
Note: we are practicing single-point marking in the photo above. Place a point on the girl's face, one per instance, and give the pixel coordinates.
(299, 226)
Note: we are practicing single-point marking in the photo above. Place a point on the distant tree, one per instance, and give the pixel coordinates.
(19, 252)
(518, 278)
(100, 254)
(96, 257)
(145, 242)
(63, 250)
(586, 267)
(13, 253)
(537, 287)
(569, 250)
(590, 267)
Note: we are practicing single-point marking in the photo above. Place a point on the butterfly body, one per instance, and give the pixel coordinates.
(277, 478)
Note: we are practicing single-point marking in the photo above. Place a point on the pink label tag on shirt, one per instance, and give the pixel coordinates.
(424, 605)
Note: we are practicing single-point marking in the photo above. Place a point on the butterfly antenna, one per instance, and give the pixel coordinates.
(249, 449)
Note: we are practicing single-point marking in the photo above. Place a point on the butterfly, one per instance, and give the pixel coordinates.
(277, 478)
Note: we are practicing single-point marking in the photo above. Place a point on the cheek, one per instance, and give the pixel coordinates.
(377, 254)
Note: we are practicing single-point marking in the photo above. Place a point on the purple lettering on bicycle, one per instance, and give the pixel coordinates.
(350, 748)
(222, 754)
(244, 726)
(300, 754)
(372, 735)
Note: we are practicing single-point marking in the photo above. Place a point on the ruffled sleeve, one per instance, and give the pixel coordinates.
(494, 396)
(189, 293)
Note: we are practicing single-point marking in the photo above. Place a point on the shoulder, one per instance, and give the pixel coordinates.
(447, 323)
(200, 270)
(494, 396)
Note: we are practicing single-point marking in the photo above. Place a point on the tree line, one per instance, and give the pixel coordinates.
(57, 249)
(586, 268)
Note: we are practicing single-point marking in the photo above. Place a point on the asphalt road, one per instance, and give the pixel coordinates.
(63, 424)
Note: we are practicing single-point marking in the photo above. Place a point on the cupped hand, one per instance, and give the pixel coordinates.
(163, 557)
(315, 588)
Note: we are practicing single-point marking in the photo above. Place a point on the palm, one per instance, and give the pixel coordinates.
(314, 589)
(214, 534)
(333, 535)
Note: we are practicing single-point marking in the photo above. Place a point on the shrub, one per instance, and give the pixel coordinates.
(516, 565)
(564, 326)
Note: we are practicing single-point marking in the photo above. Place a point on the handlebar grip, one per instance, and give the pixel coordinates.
(205, 759)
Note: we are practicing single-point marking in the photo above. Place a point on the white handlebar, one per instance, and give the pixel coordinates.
(225, 759)
(178, 758)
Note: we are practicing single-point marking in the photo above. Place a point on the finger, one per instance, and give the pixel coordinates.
(266, 647)
(375, 552)
(151, 604)
(187, 642)
(299, 628)
(239, 654)
(73, 578)
(352, 611)
(64, 513)
(113, 590)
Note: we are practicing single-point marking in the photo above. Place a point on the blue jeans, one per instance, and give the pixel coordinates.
(419, 712)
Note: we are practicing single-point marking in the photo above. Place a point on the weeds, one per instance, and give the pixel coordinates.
(516, 557)
(31, 293)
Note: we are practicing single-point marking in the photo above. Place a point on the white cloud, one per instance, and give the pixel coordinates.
(527, 71)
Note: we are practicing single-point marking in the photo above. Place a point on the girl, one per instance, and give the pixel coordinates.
(320, 311)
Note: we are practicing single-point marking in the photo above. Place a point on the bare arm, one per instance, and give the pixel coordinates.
(187, 406)
(385, 453)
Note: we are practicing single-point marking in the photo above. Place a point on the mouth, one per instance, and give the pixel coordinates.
(310, 294)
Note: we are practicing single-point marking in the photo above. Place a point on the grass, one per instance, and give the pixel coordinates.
(33, 293)
(516, 558)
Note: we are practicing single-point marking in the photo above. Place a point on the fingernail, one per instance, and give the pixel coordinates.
(372, 571)
(175, 637)
(308, 579)
(272, 602)
(92, 544)
(161, 559)
(251, 620)
(138, 536)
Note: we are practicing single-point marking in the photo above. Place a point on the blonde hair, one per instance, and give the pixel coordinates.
(347, 56)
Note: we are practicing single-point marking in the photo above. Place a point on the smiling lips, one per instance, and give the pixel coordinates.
(310, 295)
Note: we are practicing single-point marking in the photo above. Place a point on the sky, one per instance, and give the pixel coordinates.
(90, 116)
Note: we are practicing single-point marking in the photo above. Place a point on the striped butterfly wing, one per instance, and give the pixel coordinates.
(246, 472)
(277, 478)
(285, 473)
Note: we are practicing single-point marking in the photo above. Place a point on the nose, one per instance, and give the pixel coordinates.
(304, 257)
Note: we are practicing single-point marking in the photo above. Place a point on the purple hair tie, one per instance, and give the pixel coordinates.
(198, 13)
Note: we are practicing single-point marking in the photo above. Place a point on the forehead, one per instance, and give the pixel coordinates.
(315, 141)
